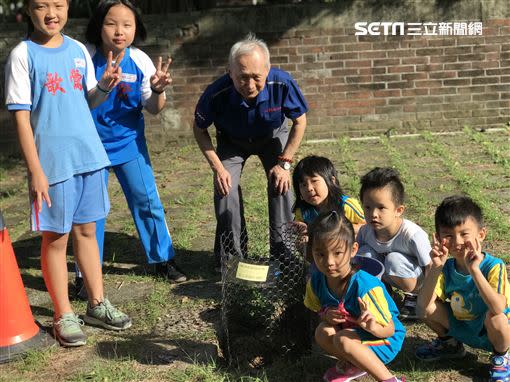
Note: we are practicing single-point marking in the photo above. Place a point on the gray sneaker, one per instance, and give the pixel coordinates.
(67, 330)
(107, 316)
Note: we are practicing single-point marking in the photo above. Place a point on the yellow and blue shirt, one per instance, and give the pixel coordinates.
(372, 291)
(467, 310)
(351, 207)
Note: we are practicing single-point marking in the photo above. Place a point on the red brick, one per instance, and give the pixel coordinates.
(442, 91)
(401, 53)
(387, 93)
(415, 92)
(443, 59)
(360, 94)
(357, 63)
(402, 101)
(429, 68)
(438, 75)
(373, 54)
(458, 66)
(358, 79)
(414, 76)
(380, 70)
(428, 84)
(457, 82)
(386, 78)
(400, 85)
(401, 69)
(441, 42)
(429, 52)
(485, 80)
(414, 60)
(485, 65)
(386, 62)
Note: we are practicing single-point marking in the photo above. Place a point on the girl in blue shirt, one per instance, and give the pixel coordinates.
(360, 325)
(115, 25)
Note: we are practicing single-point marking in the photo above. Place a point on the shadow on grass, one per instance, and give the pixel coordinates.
(156, 350)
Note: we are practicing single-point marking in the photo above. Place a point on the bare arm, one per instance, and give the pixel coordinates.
(296, 134)
(110, 78)
(38, 181)
(159, 81)
(438, 256)
(222, 179)
(496, 303)
(280, 176)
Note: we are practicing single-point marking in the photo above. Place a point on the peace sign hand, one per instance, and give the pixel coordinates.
(439, 252)
(473, 254)
(112, 74)
(161, 79)
(366, 320)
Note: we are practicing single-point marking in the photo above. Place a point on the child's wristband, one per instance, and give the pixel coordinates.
(103, 90)
(158, 92)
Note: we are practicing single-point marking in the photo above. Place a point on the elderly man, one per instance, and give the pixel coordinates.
(249, 107)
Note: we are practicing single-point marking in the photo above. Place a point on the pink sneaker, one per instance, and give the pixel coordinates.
(345, 374)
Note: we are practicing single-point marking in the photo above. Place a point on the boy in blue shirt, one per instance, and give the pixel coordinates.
(465, 299)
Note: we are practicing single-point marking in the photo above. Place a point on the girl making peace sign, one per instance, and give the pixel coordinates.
(360, 325)
(115, 25)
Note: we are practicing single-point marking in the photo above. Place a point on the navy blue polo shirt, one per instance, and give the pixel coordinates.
(222, 105)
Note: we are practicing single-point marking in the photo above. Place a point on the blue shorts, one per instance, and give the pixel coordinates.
(470, 332)
(78, 200)
(386, 349)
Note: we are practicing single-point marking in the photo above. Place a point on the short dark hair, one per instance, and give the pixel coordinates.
(381, 177)
(93, 33)
(313, 165)
(330, 226)
(455, 210)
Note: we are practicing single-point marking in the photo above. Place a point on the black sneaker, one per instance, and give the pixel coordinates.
(80, 291)
(408, 311)
(170, 271)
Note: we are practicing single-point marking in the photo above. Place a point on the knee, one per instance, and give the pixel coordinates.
(496, 322)
(426, 312)
(343, 343)
(324, 332)
(85, 231)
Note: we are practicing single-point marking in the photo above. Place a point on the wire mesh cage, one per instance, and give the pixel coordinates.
(262, 311)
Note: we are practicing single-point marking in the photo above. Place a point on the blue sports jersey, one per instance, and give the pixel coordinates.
(119, 120)
(222, 105)
(52, 84)
(467, 308)
(372, 291)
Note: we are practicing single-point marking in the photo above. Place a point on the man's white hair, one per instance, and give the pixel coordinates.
(246, 46)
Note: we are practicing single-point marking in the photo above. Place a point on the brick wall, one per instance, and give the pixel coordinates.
(356, 85)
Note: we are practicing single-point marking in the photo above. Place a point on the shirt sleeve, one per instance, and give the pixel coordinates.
(203, 112)
(353, 211)
(378, 305)
(421, 247)
(90, 72)
(498, 280)
(294, 104)
(18, 89)
(311, 301)
(439, 290)
(148, 69)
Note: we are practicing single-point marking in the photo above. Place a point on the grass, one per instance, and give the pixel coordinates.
(173, 337)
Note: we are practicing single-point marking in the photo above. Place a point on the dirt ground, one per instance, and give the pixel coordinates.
(175, 326)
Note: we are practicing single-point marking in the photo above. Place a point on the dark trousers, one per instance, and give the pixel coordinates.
(229, 209)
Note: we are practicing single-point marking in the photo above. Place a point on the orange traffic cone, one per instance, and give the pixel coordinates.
(18, 331)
